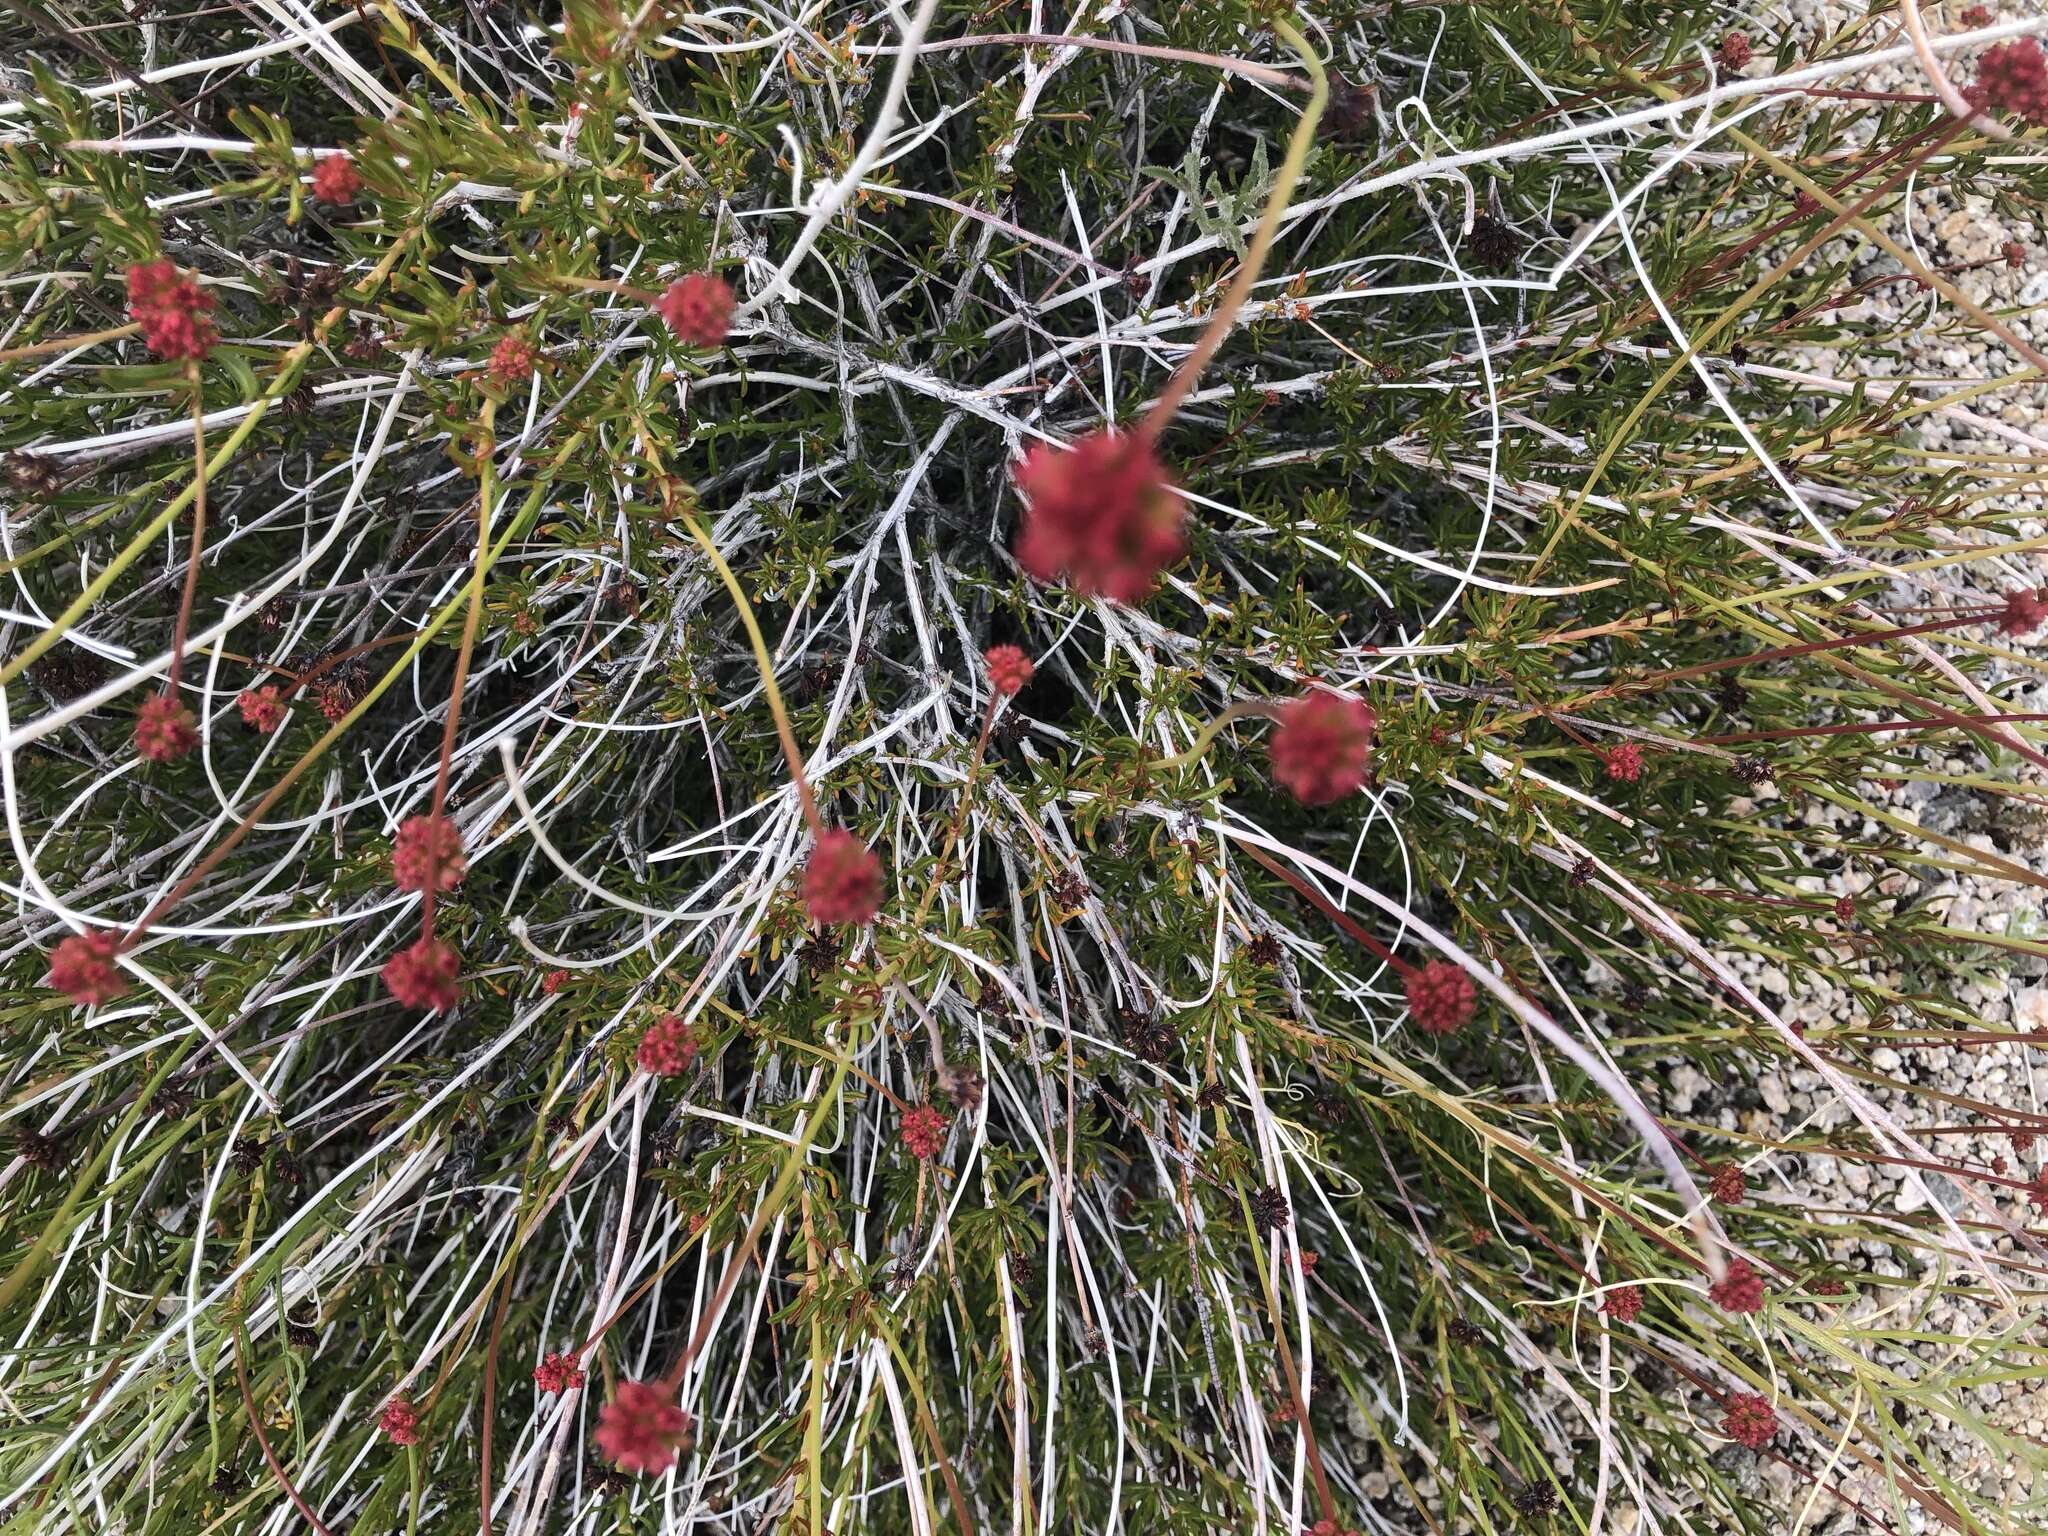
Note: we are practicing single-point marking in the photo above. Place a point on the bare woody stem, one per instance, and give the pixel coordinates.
(1185, 377)
(767, 669)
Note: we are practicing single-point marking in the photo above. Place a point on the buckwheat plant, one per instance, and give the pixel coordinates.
(979, 767)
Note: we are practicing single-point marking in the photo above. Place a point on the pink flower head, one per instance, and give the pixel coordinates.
(2014, 253)
(172, 310)
(1009, 669)
(425, 976)
(400, 1421)
(164, 729)
(1734, 52)
(82, 968)
(553, 982)
(668, 1047)
(336, 180)
(1740, 1290)
(558, 1373)
(512, 359)
(1729, 1184)
(1322, 746)
(1749, 1420)
(2024, 611)
(2013, 77)
(1845, 909)
(1624, 763)
(1976, 16)
(427, 855)
(1103, 511)
(1440, 997)
(924, 1131)
(642, 1428)
(262, 708)
(698, 308)
(1327, 1526)
(1623, 1303)
(843, 881)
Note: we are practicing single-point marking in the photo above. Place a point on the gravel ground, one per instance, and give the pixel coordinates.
(2001, 990)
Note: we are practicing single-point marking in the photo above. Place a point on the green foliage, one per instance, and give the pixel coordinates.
(1493, 499)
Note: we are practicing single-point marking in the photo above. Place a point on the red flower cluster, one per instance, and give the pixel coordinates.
(1729, 1184)
(164, 729)
(1624, 763)
(1845, 909)
(262, 708)
(1328, 1527)
(553, 982)
(668, 1047)
(1740, 1290)
(336, 180)
(843, 881)
(2014, 253)
(427, 855)
(1009, 669)
(512, 359)
(1322, 746)
(82, 968)
(924, 1131)
(1749, 1420)
(1624, 1303)
(558, 1373)
(1103, 511)
(698, 308)
(2013, 77)
(425, 976)
(1734, 52)
(172, 310)
(1440, 997)
(2024, 611)
(642, 1428)
(400, 1421)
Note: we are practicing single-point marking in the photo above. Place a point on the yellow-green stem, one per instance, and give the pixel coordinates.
(767, 669)
(1210, 342)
